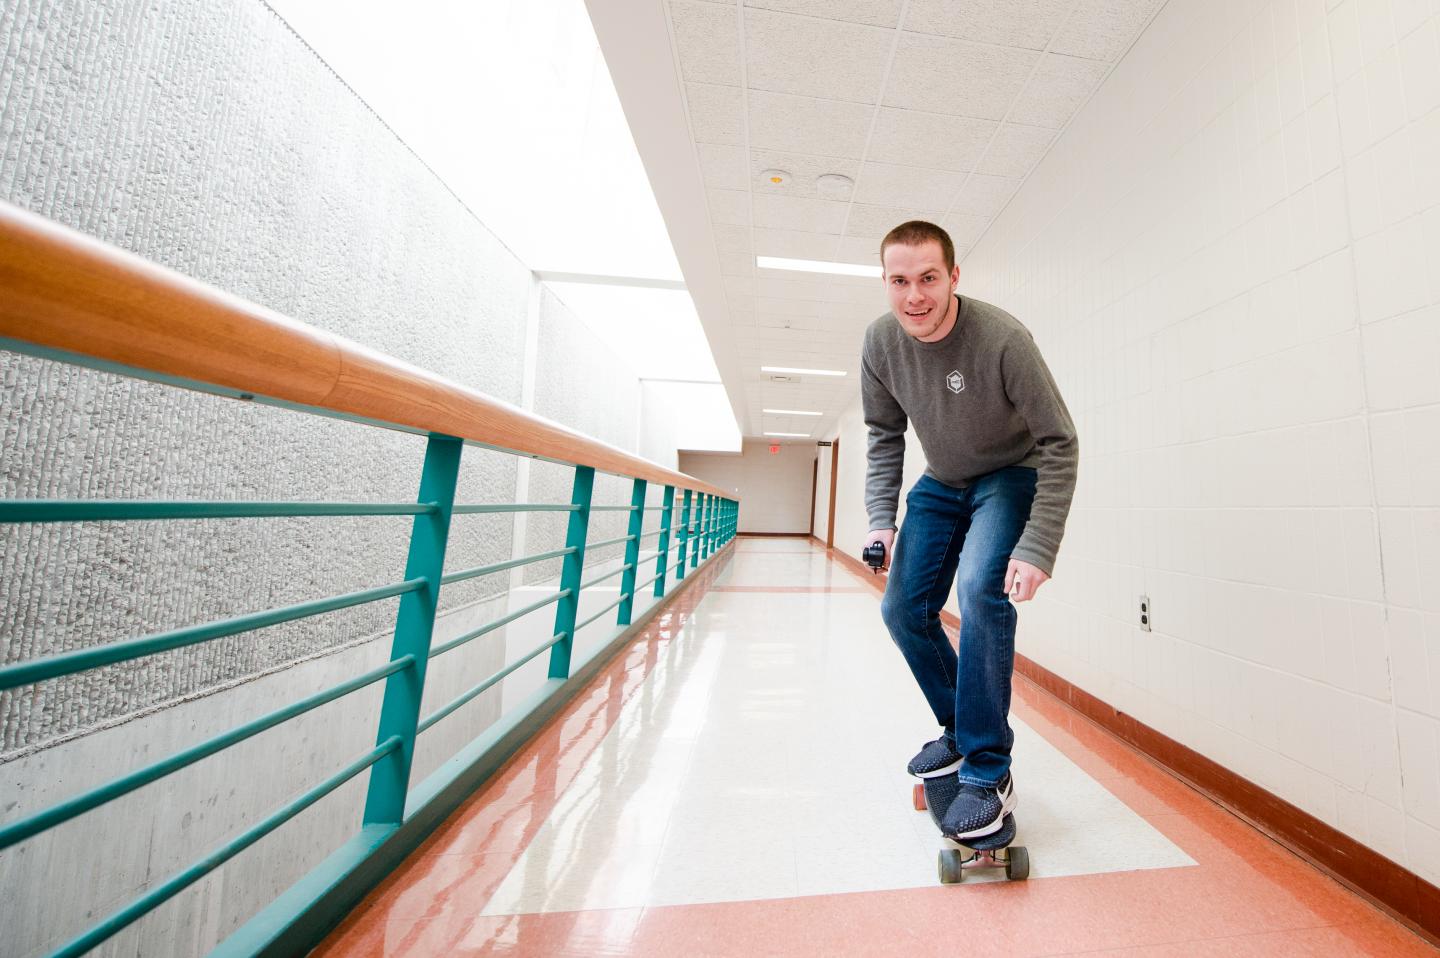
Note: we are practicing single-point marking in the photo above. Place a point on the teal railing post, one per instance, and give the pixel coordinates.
(715, 519)
(414, 626)
(662, 561)
(567, 607)
(684, 535)
(632, 552)
(699, 537)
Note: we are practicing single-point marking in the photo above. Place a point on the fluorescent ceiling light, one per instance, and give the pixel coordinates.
(791, 412)
(791, 435)
(803, 372)
(817, 266)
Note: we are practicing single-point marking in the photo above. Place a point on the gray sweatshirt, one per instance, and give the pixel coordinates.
(981, 399)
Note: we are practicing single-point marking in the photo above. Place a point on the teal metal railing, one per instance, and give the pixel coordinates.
(64, 296)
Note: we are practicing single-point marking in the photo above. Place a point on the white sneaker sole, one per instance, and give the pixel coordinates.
(950, 769)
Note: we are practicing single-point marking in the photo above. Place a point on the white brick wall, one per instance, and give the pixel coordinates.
(1231, 259)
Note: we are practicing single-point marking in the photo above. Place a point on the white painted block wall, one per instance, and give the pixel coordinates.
(773, 488)
(1231, 260)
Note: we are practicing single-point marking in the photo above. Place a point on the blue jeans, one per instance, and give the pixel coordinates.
(966, 535)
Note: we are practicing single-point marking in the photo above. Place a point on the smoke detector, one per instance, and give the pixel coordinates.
(834, 184)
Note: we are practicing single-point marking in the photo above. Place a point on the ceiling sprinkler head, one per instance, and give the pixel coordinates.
(776, 177)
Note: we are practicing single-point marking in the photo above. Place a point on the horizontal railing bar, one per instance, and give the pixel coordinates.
(650, 534)
(651, 581)
(25, 828)
(502, 566)
(488, 683)
(608, 542)
(518, 507)
(608, 575)
(145, 903)
(623, 597)
(122, 510)
(67, 663)
(613, 508)
(647, 556)
(492, 626)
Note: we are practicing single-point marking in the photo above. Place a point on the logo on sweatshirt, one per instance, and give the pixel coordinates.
(955, 381)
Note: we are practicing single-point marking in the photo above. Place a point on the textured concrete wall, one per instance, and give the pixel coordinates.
(206, 137)
(580, 381)
(203, 135)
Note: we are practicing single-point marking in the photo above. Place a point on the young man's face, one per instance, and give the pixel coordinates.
(919, 286)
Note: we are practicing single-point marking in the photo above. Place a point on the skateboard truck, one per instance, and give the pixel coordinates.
(874, 556)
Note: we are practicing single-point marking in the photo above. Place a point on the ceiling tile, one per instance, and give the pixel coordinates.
(956, 78)
(729, 206)
(882, 184)
(716, 113)
(723, 167)
(1016, 150)
(800, 124)
(708, 38)
(876, 13)
(803, 170)
(736, 263)
(798, 213)
(985, 195)
(1013, 23)
(1060, 87)
(810, 57)
(794, 244)
(873, 222)
(740, 285)
(769, 284)
(906, 186)
(965, 228)
(1104, 29)
(766, 306)
(859, 249)
(732, 239)
(912, 138)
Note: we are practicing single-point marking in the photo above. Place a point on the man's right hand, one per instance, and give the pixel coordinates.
(885, 537)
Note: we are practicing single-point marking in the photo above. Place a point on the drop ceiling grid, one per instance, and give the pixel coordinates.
(942, 123)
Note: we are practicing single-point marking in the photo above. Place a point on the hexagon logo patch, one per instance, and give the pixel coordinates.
(955, 381)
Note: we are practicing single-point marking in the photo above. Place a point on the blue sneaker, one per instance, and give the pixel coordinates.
(979, 811)
(935, 759)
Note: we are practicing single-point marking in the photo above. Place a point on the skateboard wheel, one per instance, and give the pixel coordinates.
(1018, 867)
(919, 797)
(952, 870)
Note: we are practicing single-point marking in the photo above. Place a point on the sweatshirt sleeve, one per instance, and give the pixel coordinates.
(885, 452)
(1033, 391)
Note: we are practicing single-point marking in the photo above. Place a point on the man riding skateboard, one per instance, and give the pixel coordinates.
(989, 512)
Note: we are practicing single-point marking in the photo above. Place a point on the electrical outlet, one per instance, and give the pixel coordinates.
(1145, 613)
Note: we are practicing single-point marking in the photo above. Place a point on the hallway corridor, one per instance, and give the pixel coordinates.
(733, 784)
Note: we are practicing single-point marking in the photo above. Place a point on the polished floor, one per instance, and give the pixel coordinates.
(734, 785)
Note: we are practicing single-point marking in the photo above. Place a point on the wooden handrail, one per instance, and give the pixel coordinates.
(62, 291)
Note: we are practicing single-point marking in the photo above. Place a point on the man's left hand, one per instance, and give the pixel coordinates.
(1022, 580)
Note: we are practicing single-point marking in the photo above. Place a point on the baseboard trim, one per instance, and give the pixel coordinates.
(1401, 893)
(773, 535)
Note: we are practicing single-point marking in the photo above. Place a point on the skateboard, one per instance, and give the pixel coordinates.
(989, 851)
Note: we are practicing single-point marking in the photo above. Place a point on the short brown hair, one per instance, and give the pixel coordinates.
(918, 233)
